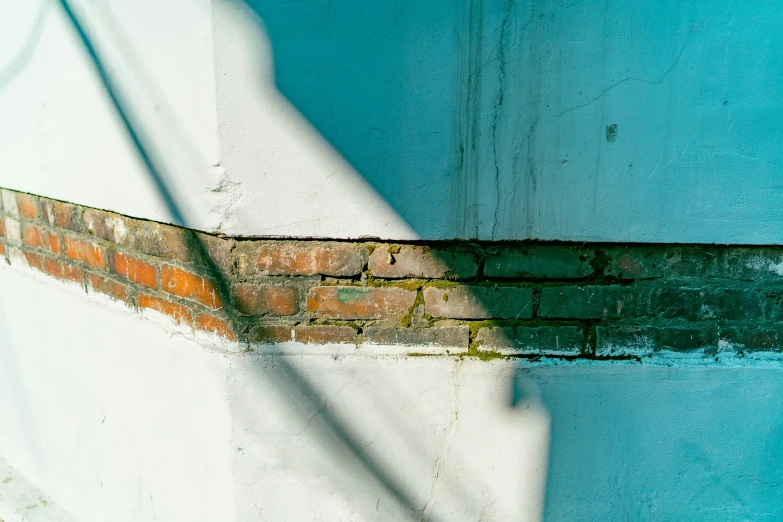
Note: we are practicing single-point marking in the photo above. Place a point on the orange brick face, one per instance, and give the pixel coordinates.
(190, 286)
(264, 299)
(2, 227)
(176, 311)
(216, 325)
(335, 259)
(136, 270)
(85, 252)
(28, 205)
(62, 271)
(357, 302)
(34, 237)
(105, 286)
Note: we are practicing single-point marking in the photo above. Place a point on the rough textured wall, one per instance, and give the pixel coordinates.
(483, 299)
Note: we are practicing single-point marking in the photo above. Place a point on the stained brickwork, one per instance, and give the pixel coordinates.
(482, 299)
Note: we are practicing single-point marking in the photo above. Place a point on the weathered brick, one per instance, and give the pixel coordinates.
(754, 338)
(176, 311)
(258, 299)
(539, 262)
(318, 334)
(2, 249)
(85, 252)
(107, 286)
(2, 227)
(416, 261)
(449, 336)
(27, 205)
(135, 270)
(299, 258)
(164, 241)
(270, 334)
(216, 325)
(637, 340)
(479, 302)
(356, 302)
(63, 215)
(9, 202)
(61, 270)
(547, 340)
(34, 237)
(34, 260)
(592, 302)
(190, 286)
(110, 227)
(654, 261)
(218, 252)
(749, 264)
(707, 303)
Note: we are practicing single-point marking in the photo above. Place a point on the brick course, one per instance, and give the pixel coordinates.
(483, 299)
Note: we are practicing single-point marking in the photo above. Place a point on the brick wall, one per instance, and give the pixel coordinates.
(483, 299)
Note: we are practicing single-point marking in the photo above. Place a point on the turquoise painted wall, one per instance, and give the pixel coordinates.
(584, 120)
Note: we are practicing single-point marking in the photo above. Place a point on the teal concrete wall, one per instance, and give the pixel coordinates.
(513, 119)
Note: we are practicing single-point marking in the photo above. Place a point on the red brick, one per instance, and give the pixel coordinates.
(190, 286)
(2, 227)
(270, 334)
(2, 249)
(416, 261)
(108, 287)
(63, 215)
(264, 299)
(162, 241)
(216, 325)
(479, 302)
(86, 253)
(136, 270)
(34, 260)
(62, 270)
(34, 237)
(318, 334)
(28, 205)
(176, 311)
(301, 259)
(357, 302)
(110, 227)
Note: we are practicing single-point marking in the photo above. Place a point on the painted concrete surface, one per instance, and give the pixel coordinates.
(490, 119)
(118, 417)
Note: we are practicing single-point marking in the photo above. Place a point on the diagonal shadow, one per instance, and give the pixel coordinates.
(341, 436)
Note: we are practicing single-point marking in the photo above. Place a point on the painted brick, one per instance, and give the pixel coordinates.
(539, 262)
(27, 205)
(479, 302)
(110, 227)
(416, 261)
(592, 302)
(547, 340)
(85, 252)
(299, 258)
(176, 311)
(259, 299)
(707, 303)
(216, 325)
(63, 215)
(639, 340)
(135, 270)
(107, 286)
(190, 286)
(749, 264)
(62, 270)
(356, 302)
(270, 334)
(34, 237)
(452, 336)
(318, 334)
